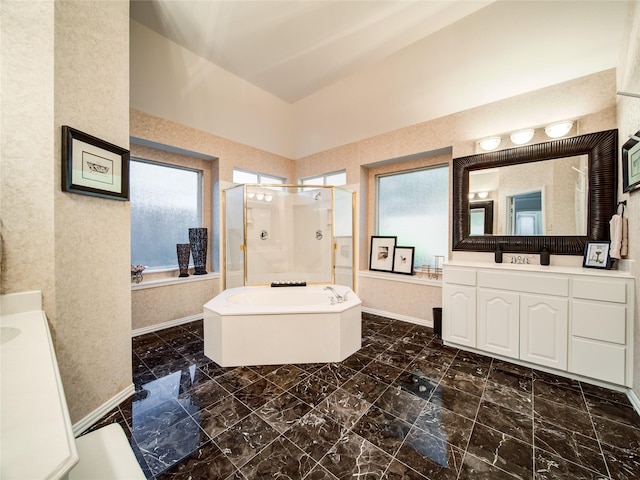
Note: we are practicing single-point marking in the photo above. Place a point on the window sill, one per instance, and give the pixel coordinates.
(396, 277)
(164, 282)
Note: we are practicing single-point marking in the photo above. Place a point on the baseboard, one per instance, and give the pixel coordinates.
(102, 410)
(397, 316)
(162, 326)
(635, 401)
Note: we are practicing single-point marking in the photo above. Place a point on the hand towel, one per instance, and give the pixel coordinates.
(624, 248)
(615, 227)
(618, 231)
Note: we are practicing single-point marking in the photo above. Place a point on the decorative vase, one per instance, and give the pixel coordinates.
(198, 242)
(183, 250)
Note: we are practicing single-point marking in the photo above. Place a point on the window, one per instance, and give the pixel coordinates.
(335, 178)
(166, 201)
(245, 176)
(414, 206)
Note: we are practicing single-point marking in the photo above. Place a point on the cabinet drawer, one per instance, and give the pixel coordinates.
(524, 282)
(602, 361)
(460, 276)
(609, 290)
(599, 321)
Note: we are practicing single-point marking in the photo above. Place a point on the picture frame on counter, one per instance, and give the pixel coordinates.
(381, 253)
(597, 255)
(403, 260)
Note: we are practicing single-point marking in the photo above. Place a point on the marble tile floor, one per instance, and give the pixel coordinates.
(403, 407)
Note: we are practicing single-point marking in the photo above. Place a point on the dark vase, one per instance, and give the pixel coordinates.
(183, 250)
(198, 241)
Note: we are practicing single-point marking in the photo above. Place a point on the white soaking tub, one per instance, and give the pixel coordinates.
(279, 325)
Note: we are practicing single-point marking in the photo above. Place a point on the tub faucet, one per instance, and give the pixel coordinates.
(338, 299)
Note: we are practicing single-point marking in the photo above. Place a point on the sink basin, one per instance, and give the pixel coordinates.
(8, 333)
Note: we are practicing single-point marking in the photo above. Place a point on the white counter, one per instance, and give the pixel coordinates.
(36, 435)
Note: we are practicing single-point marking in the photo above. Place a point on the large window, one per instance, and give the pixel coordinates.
(414, 206)
(334, 178)
(246, 176)
(165, 202)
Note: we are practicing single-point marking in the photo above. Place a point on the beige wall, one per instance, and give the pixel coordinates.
(68, 65)
(158, 305)
(628, 124)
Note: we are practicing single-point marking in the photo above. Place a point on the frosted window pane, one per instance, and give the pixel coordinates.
(164, 205)
(244, 177)
(266, 179)
(414, 206)
(337, 179)
(313, 181)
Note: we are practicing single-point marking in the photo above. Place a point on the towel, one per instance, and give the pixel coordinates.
(618, 226)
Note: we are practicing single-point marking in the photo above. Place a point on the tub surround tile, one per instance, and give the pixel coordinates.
(403, 407)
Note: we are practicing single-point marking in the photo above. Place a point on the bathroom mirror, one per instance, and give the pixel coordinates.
(588, 186)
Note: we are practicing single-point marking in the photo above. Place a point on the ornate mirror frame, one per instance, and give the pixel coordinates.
(602, 150)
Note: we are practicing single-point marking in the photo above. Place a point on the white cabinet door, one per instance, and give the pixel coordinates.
(543, 330)
(459, 314)
(499, 322)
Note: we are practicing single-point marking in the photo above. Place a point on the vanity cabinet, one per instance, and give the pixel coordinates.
(572, 320)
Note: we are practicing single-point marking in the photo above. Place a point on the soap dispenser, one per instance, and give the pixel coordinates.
(545, 256)
(498, 254)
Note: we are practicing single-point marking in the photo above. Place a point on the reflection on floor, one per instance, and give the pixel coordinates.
(403, 407)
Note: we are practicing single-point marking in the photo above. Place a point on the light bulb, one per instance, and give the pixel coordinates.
(559, 129)
(490, 143)
(522, 136)
(483, 195)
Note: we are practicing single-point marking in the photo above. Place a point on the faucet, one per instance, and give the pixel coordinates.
(339, 298)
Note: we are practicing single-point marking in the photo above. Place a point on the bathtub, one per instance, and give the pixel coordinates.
(273, 326)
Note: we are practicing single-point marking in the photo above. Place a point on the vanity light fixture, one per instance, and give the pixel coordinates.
(268, 197)
(559, 129)
(250, 194)
(522, 136)
(490, 143)
(259, 196)
(482, 195)
(472, 196)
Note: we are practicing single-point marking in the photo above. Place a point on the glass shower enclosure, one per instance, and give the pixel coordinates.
(288, 233)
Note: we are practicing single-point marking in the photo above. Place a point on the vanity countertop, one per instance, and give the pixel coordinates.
(37, 436)
(560, 269)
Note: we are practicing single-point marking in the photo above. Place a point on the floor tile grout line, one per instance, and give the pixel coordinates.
(595, 431)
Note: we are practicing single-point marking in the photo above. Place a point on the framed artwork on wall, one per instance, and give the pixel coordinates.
(91, 166)
(403, 260)
(381, 253)
(596, 255)
(631, 164)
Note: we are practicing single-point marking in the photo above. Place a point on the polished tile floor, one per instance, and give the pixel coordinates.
(403, 407)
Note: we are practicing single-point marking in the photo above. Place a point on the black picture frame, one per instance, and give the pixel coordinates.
(631, 164)
(597, 255)
(403, 260)
(91, 166)
(381, 253)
